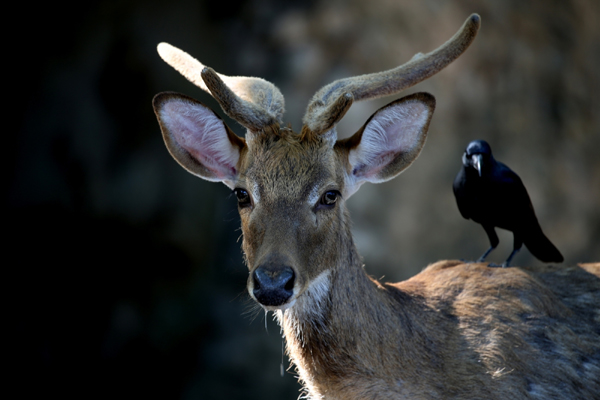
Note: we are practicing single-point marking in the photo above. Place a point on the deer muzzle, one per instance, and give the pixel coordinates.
(273, 284)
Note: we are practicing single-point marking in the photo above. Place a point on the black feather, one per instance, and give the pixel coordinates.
(490, 193)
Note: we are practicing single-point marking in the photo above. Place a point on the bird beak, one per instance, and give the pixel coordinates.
(476, 161)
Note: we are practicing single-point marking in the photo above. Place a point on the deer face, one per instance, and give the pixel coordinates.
(292, 188)
(292, 210)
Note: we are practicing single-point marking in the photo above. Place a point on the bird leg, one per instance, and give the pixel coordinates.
(491, 233)
(517, 244)
(507, 262)
(484, 255)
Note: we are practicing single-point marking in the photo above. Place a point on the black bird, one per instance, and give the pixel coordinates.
(490, 193)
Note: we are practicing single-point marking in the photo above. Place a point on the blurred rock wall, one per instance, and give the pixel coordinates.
(125, 277)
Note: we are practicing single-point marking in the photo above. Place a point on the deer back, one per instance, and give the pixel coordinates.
(534, 331)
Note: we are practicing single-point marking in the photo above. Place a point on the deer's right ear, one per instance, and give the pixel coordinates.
(197, 138)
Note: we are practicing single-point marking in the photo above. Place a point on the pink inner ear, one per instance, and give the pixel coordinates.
(392, 131)
(369, 171)
(201, 133)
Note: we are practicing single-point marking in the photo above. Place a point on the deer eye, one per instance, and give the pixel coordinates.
(243, 197)
(328, 199)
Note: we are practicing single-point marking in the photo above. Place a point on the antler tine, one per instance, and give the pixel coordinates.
(390, 82)
(253, 102)
(248, 113)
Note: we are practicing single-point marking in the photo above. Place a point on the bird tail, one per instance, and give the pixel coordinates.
(542, 248)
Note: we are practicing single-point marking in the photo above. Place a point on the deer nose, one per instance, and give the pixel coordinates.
(273, 286)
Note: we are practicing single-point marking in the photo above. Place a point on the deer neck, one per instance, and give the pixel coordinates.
(333, 328)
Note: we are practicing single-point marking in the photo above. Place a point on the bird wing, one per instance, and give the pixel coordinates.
(510, 188)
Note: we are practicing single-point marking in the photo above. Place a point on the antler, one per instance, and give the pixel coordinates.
(332, 101)
(253, 102)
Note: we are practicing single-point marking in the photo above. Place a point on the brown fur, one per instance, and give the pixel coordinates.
(454, 331)
(461, 331)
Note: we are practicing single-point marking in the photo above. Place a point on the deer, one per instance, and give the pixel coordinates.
(457, 329)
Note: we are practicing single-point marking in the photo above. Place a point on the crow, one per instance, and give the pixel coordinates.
(491, 194)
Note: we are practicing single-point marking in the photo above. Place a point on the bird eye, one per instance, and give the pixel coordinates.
(328, 199)
(243, 197)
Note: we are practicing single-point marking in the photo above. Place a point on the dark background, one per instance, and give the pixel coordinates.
(125, 276)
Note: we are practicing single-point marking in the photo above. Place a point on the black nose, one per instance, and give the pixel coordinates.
(273, 285)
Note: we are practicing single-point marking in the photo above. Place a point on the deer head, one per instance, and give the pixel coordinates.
(292, 187)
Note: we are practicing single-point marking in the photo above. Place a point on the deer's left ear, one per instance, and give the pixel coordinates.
(389, 142)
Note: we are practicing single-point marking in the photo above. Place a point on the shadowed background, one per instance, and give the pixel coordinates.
(125, 272)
